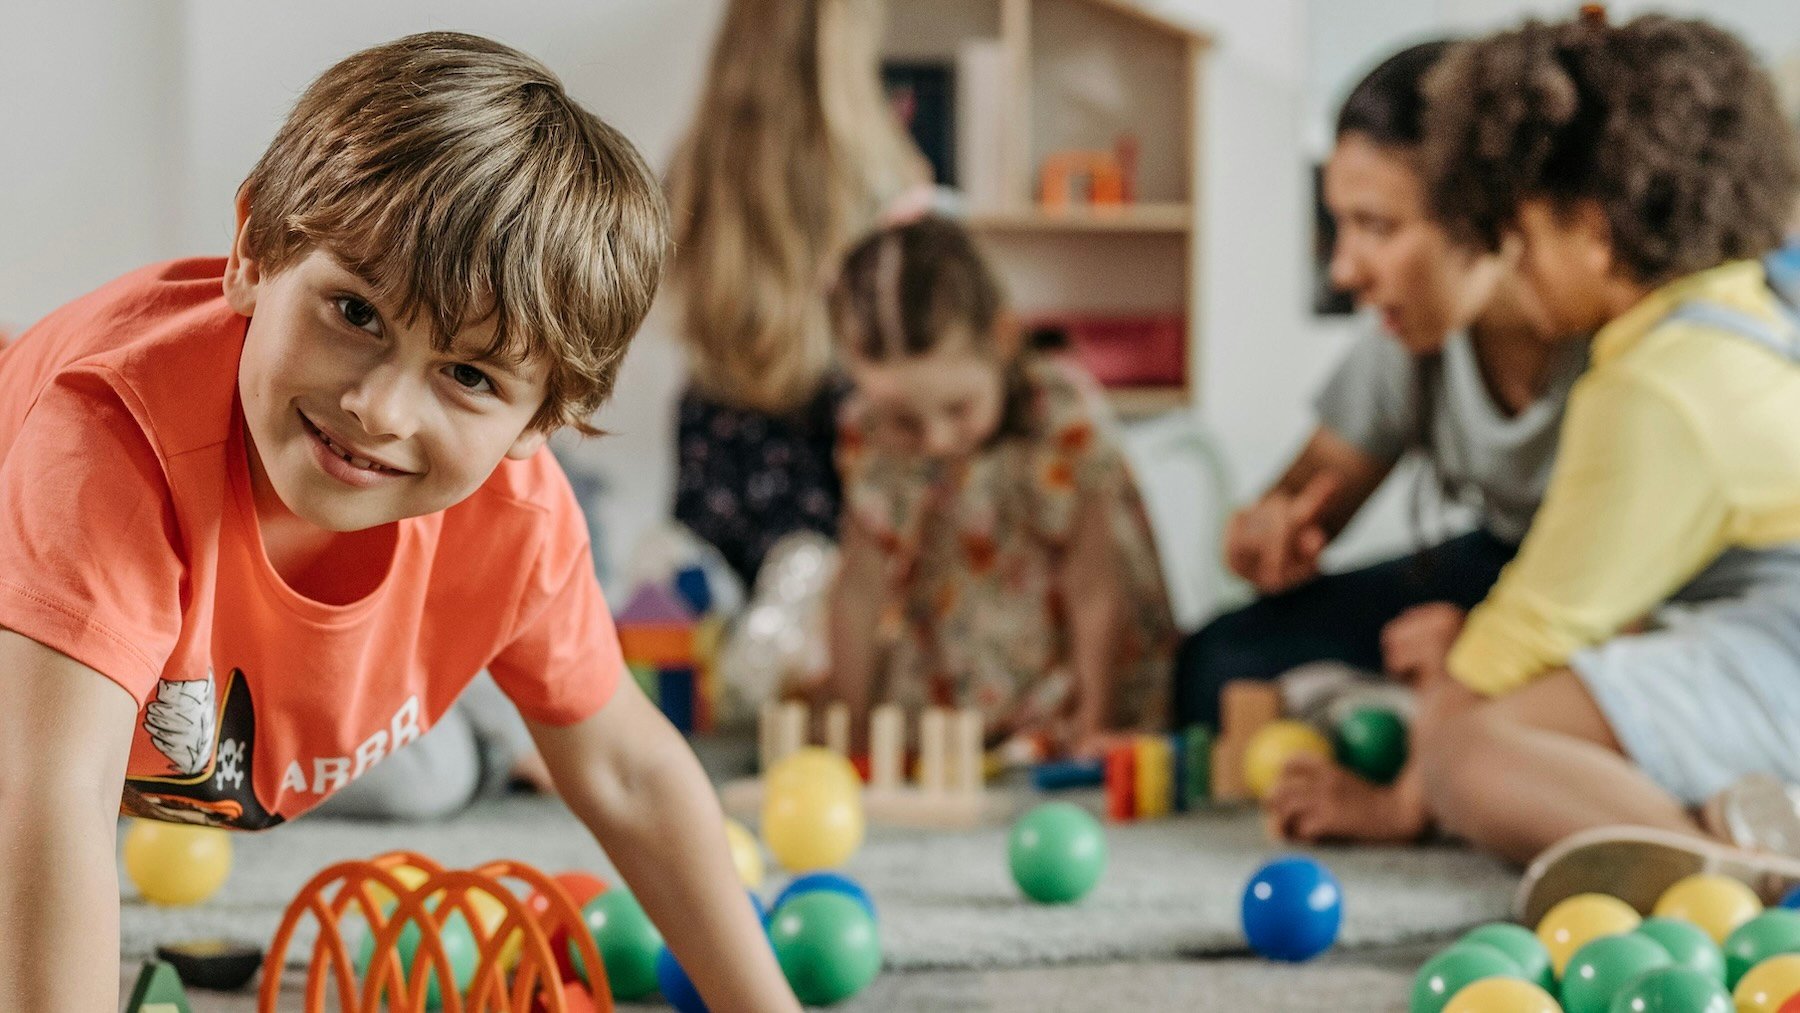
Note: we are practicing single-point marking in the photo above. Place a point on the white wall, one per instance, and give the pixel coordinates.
(88, 145)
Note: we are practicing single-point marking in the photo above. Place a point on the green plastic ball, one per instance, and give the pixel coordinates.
(1672, 990)
(827, 946)
(1769, 934)
(1057, 852)
(459, 946)
(1371, 741)
(627, 941)
(1521, 944)
(1688, 943)
(1455, 969)
(1602, 968)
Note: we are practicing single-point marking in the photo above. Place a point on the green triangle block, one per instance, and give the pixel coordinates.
(158, 990)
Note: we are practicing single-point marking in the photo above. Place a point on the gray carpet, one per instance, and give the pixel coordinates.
(946, 901)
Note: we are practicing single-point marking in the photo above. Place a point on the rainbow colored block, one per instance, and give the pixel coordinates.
(658, 633)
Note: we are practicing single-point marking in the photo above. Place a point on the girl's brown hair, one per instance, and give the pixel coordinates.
(908, 288)
(793, 153)
(1668, 125)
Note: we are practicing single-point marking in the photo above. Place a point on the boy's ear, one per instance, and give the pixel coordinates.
(529, 442)
(243, 274)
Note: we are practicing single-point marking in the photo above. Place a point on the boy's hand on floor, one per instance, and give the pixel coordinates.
(1415, 646)
(1275, 542)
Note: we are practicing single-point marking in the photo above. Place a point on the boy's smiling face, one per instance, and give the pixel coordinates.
(355, 420)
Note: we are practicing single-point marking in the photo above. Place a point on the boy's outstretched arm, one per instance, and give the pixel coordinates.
(627, 775)
(65, 736)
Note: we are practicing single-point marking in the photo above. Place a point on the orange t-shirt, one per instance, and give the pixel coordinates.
(129, 542)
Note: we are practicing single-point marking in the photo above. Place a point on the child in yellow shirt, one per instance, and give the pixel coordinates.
(1643, 167)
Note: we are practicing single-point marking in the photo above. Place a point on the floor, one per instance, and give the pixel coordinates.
(1342, 982)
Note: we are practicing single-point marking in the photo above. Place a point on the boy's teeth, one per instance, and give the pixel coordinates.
(357, 461)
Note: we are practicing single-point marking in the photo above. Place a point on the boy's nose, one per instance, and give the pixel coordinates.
(382, 404)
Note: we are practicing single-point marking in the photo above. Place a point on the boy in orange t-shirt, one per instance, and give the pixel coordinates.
(263, 518)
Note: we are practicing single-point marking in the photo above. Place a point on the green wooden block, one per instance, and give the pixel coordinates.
(649, 680)
(158, 990)
(1196, 782)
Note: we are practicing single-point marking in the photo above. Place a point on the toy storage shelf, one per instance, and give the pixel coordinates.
(1036, 80)
(1120, 218)
(1134, 402)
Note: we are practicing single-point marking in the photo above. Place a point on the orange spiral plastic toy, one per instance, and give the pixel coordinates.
(428, 903)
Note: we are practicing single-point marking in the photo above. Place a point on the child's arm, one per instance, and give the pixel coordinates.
(627, 775)
(1274, 543)
(856, 607)
(1095, 595)
(65, 736)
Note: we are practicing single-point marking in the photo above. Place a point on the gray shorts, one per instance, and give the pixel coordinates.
(1711, 691)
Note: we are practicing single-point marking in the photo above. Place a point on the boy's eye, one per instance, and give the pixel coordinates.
(471, 379)
(358, 313)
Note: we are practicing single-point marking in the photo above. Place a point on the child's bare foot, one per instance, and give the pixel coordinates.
(1316, 800)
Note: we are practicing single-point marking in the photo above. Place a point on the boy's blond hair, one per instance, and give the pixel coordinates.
(791, 156)
(458, 178)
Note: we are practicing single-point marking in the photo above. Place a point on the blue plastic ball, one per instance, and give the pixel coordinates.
(674, 985)
(812, 882)
(1292, 909)
(1791, 899)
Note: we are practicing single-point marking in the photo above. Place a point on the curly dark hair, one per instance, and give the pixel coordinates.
(1668, 125)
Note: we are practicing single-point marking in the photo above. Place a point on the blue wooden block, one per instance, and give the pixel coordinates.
(1059, 774)
(1178, 758)
(675, 691)
(691, 584)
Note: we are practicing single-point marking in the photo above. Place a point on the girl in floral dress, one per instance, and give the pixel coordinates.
(995, 552)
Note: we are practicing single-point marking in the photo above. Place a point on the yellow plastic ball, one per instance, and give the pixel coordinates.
(410, 876)
(1502, 995)
(812, 814)
(1765, 987)
(174, 863)
(1581, 919)
(746, 855)
(1273, 745)
(810, 765)
(1717, 904)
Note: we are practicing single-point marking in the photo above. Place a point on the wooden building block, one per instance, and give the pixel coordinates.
(1196, 763)
(790, 729)
(837, 728)
(663, 645)
(887, 746)
(1121, 783)
(1154, 764)
(677, 696)
(968, 767)
(1245, 708)
(934, 748)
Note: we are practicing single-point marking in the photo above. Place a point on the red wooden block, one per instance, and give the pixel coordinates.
(1121, 783)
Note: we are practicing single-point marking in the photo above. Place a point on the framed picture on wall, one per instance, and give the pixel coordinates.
(923, 96)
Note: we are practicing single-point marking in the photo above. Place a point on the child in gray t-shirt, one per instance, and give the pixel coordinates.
(1460, 373)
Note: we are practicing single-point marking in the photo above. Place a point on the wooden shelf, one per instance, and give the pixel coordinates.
(1137, 402)
(1157, 218)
